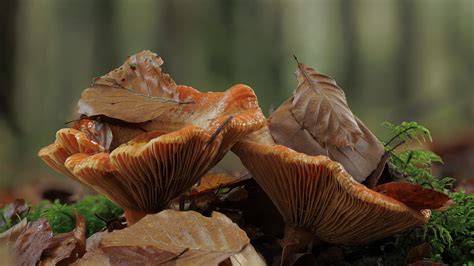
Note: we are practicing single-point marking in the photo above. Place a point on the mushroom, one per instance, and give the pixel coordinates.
(152, 162)
(317, 197)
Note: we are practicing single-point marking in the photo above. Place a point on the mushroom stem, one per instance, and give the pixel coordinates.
(298, 236)
(133, 216)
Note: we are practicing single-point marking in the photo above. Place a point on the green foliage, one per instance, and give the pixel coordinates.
(408, 131)
(450, 233)
(61, 217)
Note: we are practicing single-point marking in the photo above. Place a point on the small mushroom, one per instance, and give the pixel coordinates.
(145, 173)
(317, 197)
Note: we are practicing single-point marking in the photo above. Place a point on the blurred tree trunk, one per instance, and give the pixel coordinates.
(405, 58)
(348, 81)
(105, 54)
(8, 11)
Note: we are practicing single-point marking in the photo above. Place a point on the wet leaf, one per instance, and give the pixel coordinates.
(207, 241)
(414, 196)
(318, 121)
(96, 131)
(135, 92)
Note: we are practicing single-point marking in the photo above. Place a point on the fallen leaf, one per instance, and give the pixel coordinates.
(207, 241)
(247, 257)
(212, 181)
(128, 255)
(96, 131)
(135, 92)
(30, 244)
(66, 248)
(320, 106)
(15, 210)
(318, 121)
(414, 196)
(12, 234)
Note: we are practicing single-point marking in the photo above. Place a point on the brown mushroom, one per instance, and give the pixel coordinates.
(316, 196)
(157, 160)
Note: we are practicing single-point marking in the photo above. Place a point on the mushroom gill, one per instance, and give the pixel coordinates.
(316, 195)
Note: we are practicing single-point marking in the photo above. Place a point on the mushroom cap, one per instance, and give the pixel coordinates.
(316, 193)
(152, 168)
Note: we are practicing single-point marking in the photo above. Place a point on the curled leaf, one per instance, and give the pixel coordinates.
(135, 92)
(415, 196)
(318, 121)
(320, 106)
(30, 244)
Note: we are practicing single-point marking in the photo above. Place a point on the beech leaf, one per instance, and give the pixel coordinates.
(415, 196)
(135, 92)
(197, 240)
(128, 255)
(318, 121)
(320, 106)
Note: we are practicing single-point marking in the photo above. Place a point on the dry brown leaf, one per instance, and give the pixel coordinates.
(206, 241)
(128, 255)
(30, 244)
(415, 196)
(66, 248)
(135, 92)
(13, 233)
(320, 106)
(317, 121)
(212, 181)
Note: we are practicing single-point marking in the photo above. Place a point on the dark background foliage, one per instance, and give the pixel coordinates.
(396, 60)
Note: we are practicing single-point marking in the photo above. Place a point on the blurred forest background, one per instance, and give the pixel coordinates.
(396, 60)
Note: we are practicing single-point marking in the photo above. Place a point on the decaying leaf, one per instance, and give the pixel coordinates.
(30, 244)
(414, 196)
(135, 92)
(13, 233)
(66, 248)
(318, 121)
(213, 180)
(15, 210)
(200, 240)
(96, 131)
(37, 244)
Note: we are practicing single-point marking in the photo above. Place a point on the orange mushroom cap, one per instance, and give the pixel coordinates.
(316, 193)
(146, 170)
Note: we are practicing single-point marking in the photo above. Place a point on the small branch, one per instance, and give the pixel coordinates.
(218, 130)
(296, 59)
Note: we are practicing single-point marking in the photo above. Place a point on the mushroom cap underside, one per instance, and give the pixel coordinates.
(316, 193)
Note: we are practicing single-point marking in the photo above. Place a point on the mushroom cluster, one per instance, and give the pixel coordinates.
(144, 162)
(143, 141)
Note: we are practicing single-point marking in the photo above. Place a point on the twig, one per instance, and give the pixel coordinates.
(218, 130)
